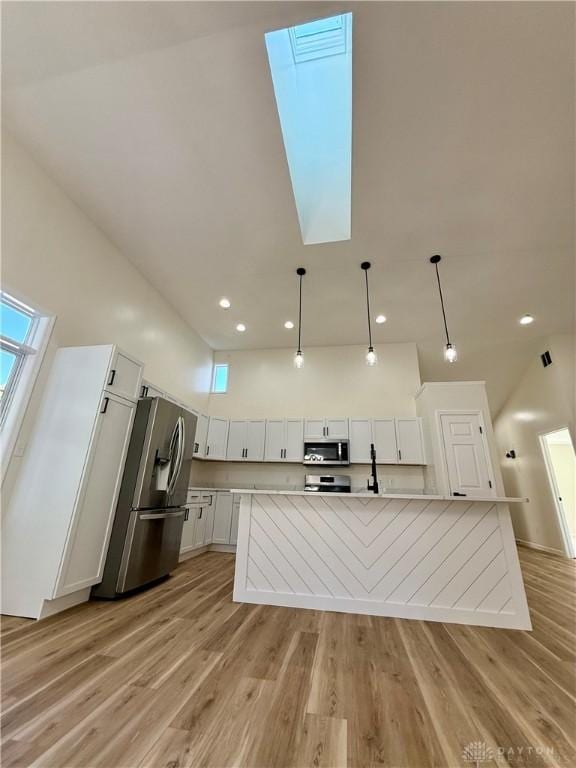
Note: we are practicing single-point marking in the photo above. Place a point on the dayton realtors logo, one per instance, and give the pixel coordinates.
(478, 752)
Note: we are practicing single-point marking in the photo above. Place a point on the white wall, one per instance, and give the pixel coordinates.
(269, 475)
(335, 381)
(58, 260)
(542, 401)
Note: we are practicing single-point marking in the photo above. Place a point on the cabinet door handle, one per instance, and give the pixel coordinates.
(105, 405)
(200, 515)
(196, 447)
(207, 450)
(399, 455)
(186, 514)
(112, 377)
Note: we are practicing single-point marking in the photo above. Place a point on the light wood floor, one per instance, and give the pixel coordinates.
(182, 676)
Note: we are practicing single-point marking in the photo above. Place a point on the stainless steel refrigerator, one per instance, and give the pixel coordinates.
(147, 529)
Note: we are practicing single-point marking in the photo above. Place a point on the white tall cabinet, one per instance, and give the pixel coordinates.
(57, 527)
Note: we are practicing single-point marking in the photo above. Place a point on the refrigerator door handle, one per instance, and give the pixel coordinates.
(162, 515)
(179, 448)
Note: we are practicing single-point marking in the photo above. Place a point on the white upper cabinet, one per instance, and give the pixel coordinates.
(124, 376)
(384, 434)
(294, 441)
(217, 439)
(314, 429)
(236, 440)
(396, 441)
(149, 390)
(201, 436)
(255, 440)
(410, 441)
(360, 439)
(284, 440)
(275, 439)
(246, 440)
(321, 429)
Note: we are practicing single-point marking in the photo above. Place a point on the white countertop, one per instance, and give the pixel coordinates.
(368, 495)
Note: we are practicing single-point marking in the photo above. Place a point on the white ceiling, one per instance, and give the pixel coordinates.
(159, 119)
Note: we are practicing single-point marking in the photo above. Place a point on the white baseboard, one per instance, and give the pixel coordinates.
(550, 550)
(50, 607)
(189, 552)
(223, 548)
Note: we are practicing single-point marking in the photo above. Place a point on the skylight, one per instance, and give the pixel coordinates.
(311, 67)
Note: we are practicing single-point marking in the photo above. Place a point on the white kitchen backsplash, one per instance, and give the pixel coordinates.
(224, 474)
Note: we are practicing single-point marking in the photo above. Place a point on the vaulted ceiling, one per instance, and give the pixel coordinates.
(159, 120)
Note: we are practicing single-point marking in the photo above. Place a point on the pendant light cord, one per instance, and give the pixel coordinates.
(442, 304)
(368, 310)
(300, 315)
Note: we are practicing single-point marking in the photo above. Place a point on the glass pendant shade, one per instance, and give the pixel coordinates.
(450, 353)
(371, 357)
(299, 359)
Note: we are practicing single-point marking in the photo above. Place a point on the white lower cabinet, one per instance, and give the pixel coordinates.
(235, 517)
(212, 519)
(222, 518)
(57, 524)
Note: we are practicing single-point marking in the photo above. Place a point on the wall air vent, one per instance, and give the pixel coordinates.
(546, 359)
(325, 37)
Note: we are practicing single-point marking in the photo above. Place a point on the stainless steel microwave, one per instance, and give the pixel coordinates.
(327, 453)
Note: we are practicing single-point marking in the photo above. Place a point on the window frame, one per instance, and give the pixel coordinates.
(213, 389)
(20, 384)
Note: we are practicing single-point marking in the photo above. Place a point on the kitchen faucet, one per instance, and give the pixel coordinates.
(374, 478)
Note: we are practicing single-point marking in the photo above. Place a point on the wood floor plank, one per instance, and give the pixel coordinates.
(180, 676)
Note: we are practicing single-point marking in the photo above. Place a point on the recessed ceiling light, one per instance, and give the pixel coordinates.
(381, 319)
(241, 327)
(225, 303)
(526, 320)
(289, 324)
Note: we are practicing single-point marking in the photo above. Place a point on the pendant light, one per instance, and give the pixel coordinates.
(450, 353)
(371, 358)
(299, 357)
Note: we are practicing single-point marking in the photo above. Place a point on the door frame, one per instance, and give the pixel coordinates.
(486, 447)
(569, 547)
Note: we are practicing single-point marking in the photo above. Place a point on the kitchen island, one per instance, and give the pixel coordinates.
(413, 556)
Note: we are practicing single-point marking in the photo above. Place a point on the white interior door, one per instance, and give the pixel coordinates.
(466, 454)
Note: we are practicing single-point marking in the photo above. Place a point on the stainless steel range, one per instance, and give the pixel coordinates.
(327, 484)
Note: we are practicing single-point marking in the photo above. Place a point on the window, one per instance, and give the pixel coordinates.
(220, 379)
(311, 68)
(18, 324)
(24, 336)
